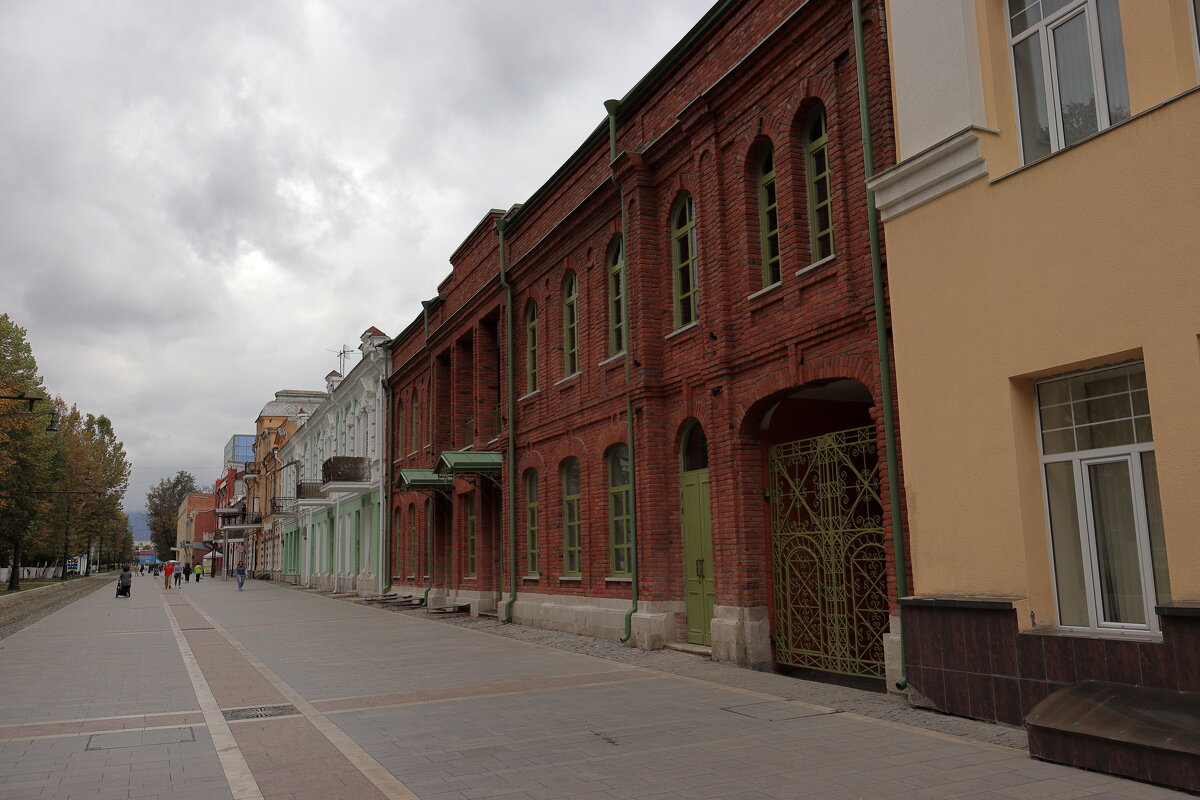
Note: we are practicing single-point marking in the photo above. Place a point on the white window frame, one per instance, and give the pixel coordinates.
(1050, 68)
(1080, 461)
(1194, 11)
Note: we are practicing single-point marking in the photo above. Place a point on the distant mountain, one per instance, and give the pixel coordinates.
(141, 531)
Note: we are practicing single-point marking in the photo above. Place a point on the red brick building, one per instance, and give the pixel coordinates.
(658, 379)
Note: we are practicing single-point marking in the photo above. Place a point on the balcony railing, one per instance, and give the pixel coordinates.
(253, 518)
(283, 505)
(309, 490)
(346, 469)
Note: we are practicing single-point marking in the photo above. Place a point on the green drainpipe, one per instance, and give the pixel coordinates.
(425, 306)
(881, 323)
(612, 106)
(510, 457)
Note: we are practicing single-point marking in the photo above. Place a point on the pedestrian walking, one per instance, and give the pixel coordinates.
(167, 570)
(187, 574)
(199, 569)
(141, 569)
(178, 575)
(240, 572)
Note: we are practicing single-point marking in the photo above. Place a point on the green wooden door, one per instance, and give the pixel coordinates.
(697, 556)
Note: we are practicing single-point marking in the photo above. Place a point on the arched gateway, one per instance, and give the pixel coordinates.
(829, 601)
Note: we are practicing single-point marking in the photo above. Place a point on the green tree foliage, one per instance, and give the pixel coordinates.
(27, 451)
(162, 510)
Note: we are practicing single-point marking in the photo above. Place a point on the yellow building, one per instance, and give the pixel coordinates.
(1041, 228)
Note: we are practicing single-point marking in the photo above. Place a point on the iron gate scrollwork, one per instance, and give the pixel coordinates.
(828, 553)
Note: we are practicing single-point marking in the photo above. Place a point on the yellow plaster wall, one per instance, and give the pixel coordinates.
(1091, 256)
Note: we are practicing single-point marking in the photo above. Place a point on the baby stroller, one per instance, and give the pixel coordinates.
(123, 587)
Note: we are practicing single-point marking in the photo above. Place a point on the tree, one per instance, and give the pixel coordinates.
(162, 510)
(26, 449)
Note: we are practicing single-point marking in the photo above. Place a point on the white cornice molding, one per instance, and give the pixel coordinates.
(935, 171)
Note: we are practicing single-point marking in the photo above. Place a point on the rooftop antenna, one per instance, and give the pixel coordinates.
(342, 354)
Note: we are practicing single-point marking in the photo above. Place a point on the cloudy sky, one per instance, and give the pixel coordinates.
(201, 201)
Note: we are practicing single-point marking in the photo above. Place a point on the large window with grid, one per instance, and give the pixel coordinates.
(683, 260)
(619, 518)
(820, 185)
(1101, 485)
(570, 298)
(415, 415)
(412, 541)
(531, 522)
(616, 297)
(572, 543)
(531, 347)
(768, 217)
(1069, 69)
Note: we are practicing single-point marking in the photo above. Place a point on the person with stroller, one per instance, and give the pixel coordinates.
(124, 582)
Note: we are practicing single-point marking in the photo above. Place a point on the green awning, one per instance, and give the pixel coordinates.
(423, 479)
(470, 462)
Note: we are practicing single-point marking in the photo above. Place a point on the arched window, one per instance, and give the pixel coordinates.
(472, 526)
(398, 429)
(531, 522)
(428, 538)
(820, 188)
(619, 518)
(414, 412)
(572, 545)
(531, 347)
(768, 217)
(412, 540)
(683, 260)
(695, 448)
(570, 295)
(616, 297)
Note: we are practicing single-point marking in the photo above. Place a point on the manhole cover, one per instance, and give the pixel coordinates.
(260, 712)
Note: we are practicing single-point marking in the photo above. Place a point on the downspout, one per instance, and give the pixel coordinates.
(510, 457)
(881, 327)
(425, 306)
(384, 400)
(612, 106)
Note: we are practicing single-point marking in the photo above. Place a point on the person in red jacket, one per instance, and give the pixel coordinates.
(167, 570)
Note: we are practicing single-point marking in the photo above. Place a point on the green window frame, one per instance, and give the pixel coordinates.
(768, 218)
(619, 540)
(416, 423)
(571, 497)
(472, 523)
(683, 260)
(820, 186)
(616, 297)
(570, 295)
(398, 421)
(412, 540)
(531, 347)
(531, 522)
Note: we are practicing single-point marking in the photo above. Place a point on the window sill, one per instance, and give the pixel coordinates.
(766, 290)
(816, 265)
(618, 580)
(570, 578)
(613, 359)
(470, 577)
(1098, 633)
(568, 379)
(691, 326)
(529, 396)
(531, 577)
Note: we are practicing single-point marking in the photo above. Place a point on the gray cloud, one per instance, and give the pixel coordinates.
(198, 201)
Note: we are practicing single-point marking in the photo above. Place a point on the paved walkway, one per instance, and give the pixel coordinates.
(204, 692)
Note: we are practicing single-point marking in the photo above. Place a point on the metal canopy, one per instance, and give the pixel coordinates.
(424, 479)
(470, 462)
(247, 527)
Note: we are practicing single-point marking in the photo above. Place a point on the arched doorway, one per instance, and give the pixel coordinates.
(698, 565)
(827, 544)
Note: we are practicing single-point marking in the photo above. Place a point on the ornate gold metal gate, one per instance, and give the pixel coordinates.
(827, 546)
